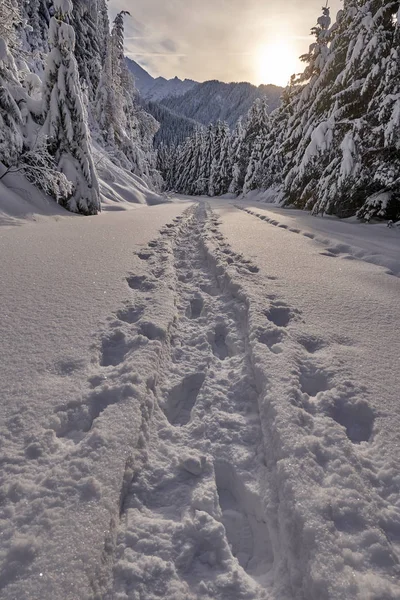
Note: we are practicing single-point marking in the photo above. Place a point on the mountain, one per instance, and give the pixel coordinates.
(202, 102)
(214, 100)
(157, 88)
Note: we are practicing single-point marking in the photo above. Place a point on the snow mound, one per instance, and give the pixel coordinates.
(120, 190)
(20, 200)
(118, 185)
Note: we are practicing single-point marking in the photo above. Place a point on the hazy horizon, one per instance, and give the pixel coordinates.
(219, 39)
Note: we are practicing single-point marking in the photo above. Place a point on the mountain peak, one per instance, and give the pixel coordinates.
(157, 88)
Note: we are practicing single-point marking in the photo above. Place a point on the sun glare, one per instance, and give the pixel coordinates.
(275, 63)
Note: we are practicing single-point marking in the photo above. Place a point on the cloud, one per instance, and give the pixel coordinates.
(214, 39)
(169, 45)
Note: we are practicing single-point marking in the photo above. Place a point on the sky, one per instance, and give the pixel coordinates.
(230, 40)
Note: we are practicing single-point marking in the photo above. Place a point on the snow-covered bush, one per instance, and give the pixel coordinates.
(40, 169)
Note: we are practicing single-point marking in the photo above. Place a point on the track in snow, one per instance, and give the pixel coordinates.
(333, 249)
(195, 503)
(256, 464)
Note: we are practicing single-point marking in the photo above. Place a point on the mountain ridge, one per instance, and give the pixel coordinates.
(157, 88)
(215, 100)
(205, 102)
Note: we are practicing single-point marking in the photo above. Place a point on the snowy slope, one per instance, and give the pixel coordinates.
(212, 100)
(204, 411)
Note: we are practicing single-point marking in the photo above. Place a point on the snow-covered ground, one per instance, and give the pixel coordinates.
(198, 404)
(347, 238)
(120, 190)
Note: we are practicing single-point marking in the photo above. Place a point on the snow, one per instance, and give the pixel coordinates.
(120, 191)
(3, 50)
(343, 238)
(198, 404)
(63, 6)
(321, 140)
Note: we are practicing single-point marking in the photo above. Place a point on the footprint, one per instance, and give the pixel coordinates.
(130, 315)
(182, 398)
(152, 331)
(114, 349)
(219, 345)
(278, 315)
(245, 526)
(143, 255)
(348, 520)
(67, 366)
(185, 277)
(140, 282)
(313, 380)
(312, 343)
(196, 307)
(269, 337)
(209, 289)
(78, 417)
(356, 416)
(251, 268)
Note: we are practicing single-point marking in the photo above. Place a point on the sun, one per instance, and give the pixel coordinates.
(275, 63)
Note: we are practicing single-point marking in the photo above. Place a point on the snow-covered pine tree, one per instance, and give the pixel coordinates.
(275, 161)
(225, 166)
(303, 106)
(382, 157)
(352, 161)
(126, 128)
(88, 53)
(105, 103)
(253, 175)
(10, 19)
(255, 125)
(187, 182)
(203, 180)
(11, 138)
(235, 158)
(219, 136)
(34, 32)
(65, 124)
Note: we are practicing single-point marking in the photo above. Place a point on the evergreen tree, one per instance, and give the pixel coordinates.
(220, 134)
(255, 125)
(235, 158)
(382, 156)
(10, 18)
(303, 106)
(351, 161)
(253, 180)
(11, 138)
(65, 120)
(84, 19)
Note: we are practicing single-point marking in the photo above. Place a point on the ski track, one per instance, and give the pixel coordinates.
(333, 249)
(253, 471)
